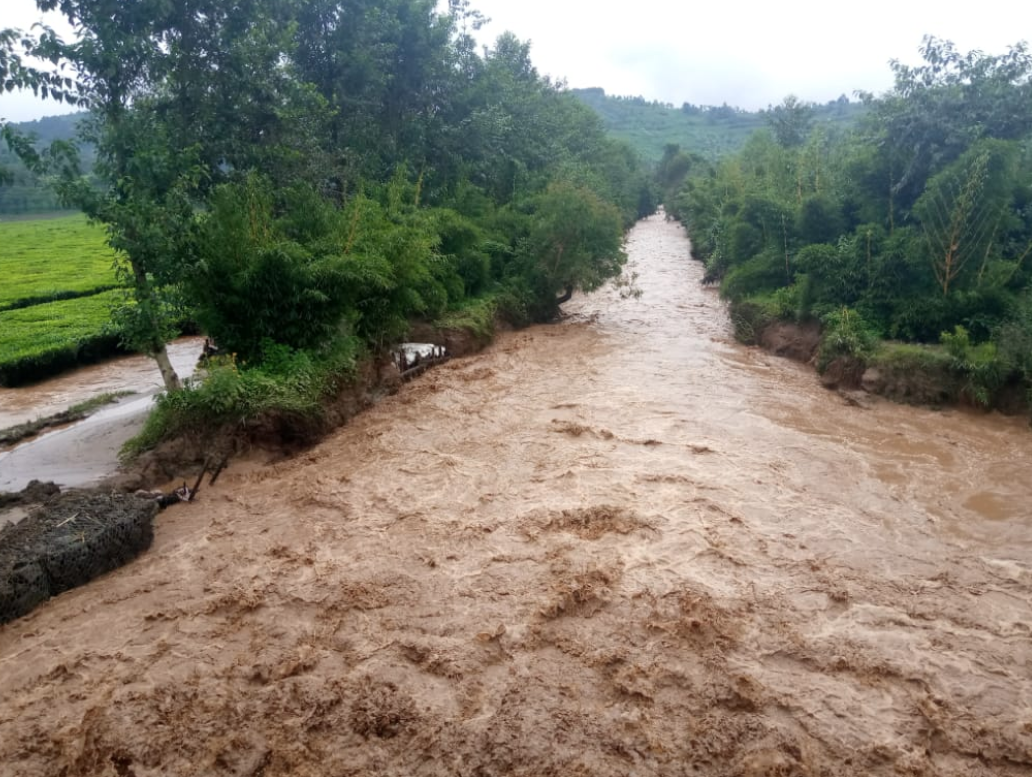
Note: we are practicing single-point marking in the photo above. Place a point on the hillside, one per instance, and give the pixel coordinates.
(708, 130)
(24, 194)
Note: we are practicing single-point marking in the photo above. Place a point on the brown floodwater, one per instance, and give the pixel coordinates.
(622, 544)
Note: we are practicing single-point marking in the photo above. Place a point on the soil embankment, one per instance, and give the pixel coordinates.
(908, 374)
(622, 544)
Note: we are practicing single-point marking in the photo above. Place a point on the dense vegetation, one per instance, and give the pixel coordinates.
(916, 226)
(706, 131)
(308, 177)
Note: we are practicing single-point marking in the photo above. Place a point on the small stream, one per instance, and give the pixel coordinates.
(85, 452)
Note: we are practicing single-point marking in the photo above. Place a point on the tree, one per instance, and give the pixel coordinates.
(936, 110)
(791, 121)
(15, 74)
(182, 95)
(575, 243)
(963, 208)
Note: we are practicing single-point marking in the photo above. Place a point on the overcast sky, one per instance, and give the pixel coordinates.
(748, 53)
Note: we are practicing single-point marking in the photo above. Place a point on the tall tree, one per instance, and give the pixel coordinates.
(182, 95)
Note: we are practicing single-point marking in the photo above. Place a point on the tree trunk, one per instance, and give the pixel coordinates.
(566, 295)
(168, 373)
(154, 342)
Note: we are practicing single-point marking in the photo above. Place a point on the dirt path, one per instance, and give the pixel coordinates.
(620, 545)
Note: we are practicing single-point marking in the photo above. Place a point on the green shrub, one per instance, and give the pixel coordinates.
(750, 317)
(763, 273)
(288, 386)
(846, 335)
(477, 315)
(980, 367)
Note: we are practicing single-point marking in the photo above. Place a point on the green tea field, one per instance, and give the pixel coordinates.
(57, 285)
(48, 259)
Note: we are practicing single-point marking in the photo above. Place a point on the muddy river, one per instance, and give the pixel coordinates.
(620, 545)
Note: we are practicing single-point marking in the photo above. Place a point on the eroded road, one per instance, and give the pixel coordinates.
(618, 545)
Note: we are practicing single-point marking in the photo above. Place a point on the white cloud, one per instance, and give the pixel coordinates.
(749, 53)
(746, 53)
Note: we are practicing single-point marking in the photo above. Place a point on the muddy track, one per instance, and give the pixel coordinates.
(618, 545)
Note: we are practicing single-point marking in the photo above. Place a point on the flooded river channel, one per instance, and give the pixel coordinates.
(619, 545)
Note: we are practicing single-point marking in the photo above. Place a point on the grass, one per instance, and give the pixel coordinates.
(476, 314)
(42, 339)
(44, 260)
(904, 357)
(286, 396)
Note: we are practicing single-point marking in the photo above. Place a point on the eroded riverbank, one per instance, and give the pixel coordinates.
(622, 544)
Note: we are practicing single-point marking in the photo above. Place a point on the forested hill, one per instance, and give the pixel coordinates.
(708, 130)
(23, 193)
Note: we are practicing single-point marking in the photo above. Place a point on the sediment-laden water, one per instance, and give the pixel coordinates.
(622, 544)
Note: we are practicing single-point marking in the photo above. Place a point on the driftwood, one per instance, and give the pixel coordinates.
(187, 493)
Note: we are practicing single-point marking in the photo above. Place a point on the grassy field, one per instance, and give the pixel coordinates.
(44, 339)
(50, 259)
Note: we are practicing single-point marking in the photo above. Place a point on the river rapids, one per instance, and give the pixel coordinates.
(618, 545)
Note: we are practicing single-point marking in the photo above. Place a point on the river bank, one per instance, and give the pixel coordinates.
(620, 544)
(905, 373)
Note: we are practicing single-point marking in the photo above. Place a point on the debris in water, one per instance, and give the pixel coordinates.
(413, 359)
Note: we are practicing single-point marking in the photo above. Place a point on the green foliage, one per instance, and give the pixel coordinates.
(750, 317)
(1013, 339)
(253, 283)
(939, 108)
(476, 315)
(846, 335)
(575, 242)
(911, 357)
(979, 365)
(294, 175)
(791, 121)
(819, 220)
(40, 339)
(761, 273)
(288, 388)
(49, 259)
(916, 222)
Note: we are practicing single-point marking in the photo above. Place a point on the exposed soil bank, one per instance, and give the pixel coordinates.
(894, 375)
(275, 436)
(618, 545)
(791, 340)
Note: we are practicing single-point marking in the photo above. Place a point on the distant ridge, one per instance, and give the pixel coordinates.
(708, 130)
(24, 194)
